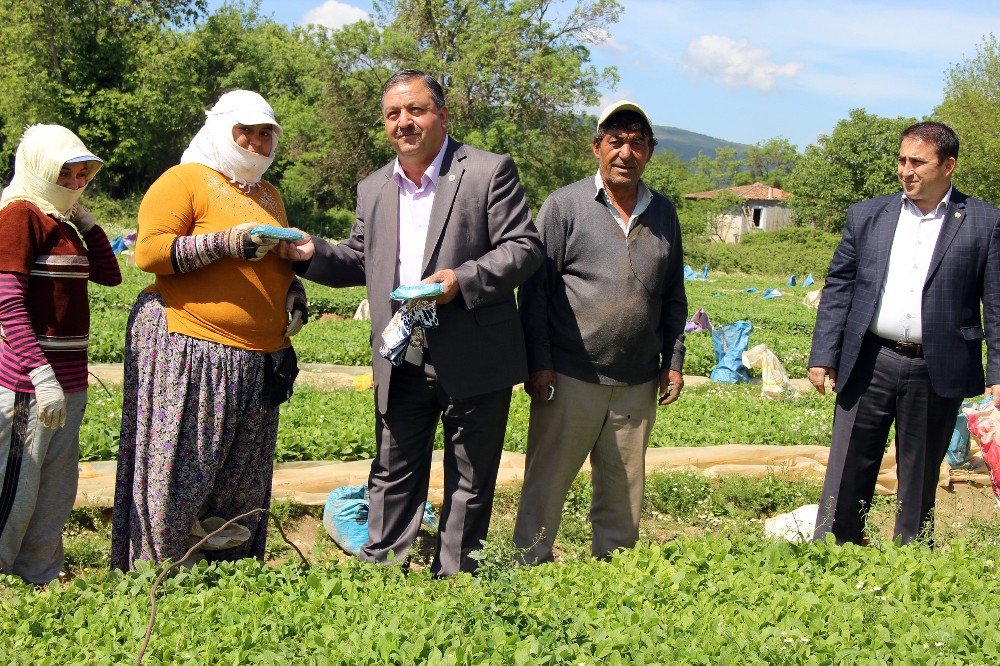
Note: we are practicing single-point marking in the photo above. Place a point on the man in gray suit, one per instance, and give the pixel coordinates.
(447, 213)
(899, 333)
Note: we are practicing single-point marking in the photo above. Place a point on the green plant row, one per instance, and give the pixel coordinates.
(718, 600)
(783, 324)
(339, 425)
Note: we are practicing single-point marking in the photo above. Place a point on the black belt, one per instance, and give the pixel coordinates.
(909, 349)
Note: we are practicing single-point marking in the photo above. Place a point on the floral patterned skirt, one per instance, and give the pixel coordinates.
(197, 440)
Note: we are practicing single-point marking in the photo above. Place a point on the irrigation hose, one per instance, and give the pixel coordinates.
(174, 565)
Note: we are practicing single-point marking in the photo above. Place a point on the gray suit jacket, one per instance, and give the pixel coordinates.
(964, 273)
(481, 228)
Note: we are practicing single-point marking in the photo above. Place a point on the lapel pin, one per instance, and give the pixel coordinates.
(957, 214)
(451, 179)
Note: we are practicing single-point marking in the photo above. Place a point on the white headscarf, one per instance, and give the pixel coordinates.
(41, 154)
(214, 146)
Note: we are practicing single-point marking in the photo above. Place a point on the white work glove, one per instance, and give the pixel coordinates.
(242, 245)
(49, 397)
(297, 307)
(81, 218)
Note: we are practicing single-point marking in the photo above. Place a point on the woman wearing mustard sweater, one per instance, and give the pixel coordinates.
(208, 357)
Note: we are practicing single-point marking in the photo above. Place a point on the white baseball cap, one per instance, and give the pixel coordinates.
(246, 108)
(623, 105)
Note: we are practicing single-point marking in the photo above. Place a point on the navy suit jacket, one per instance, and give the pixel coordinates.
(961, 293)
(480, 226)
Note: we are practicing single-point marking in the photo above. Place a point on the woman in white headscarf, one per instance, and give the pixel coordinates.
(45, 315)
(208, 357)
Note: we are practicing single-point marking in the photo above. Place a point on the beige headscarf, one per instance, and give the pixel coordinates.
(214, 146)
(43, 150)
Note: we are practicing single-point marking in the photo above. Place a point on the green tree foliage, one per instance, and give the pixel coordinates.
(82, 63)
(856, 161)
(971, 107)
(770, 161)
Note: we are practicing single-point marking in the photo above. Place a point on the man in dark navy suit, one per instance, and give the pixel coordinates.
(899, 333)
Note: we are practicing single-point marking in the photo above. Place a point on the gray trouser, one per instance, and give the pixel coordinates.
(38, 478)
(612, 425)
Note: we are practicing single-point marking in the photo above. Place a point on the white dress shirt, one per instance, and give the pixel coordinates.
(415, 203)
(897, 316)
(643, 198)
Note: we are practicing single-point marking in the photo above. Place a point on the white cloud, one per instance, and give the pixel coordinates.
(735, 63)
(333, 14)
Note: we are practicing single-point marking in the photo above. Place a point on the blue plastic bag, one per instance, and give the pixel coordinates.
(730, 342)
(808, 282)
(704, 272)
(772, 293)
(345, 517)
(791, 280)
(118, 245)
(689, 273)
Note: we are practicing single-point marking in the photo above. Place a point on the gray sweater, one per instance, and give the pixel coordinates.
(603, 309)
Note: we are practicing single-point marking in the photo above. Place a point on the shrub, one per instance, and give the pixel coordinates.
(798, 250)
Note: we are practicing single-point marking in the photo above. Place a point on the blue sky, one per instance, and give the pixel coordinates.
(749, 71)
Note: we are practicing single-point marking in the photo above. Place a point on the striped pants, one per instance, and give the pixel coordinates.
(38, 478)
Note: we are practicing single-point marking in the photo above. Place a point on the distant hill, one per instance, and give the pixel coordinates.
(687, 144)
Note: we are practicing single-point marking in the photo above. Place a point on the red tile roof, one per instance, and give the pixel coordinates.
(757, 192)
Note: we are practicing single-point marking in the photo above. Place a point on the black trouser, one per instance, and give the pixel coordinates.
(884, 387)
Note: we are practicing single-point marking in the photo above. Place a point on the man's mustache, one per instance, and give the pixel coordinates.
(409, 131)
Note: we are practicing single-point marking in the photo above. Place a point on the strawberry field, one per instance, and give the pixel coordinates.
(704, 585)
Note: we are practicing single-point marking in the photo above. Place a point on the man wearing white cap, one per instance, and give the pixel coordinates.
(603, 320)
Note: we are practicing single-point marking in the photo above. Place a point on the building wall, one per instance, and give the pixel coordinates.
(763, 216)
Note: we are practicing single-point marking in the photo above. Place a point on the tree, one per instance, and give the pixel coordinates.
(78, 63)
(515, 72)
(770, 161)
(856, 161)
(971, 107)
(669, 175)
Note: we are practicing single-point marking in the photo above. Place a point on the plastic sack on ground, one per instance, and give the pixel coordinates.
(791, 280)
(772, 293)
(959, 453)
(704, 272)
(130, 238)
(118, 245)
(730, 342)
(699, 322)
(797, 526)
(363, 313)
(984, 425)
(690, 273)
(364, 382)
(775, 378)
(751, 290)
(345, 517)
(812, 299)
(808, 282)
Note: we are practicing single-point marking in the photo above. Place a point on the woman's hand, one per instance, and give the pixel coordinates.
(81, 218)
(302, 250)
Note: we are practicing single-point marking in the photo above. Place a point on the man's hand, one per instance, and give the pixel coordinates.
(299, 250)
(539, 383)
(994, 390)
(818, 375)
(448, 281)
(671, 384)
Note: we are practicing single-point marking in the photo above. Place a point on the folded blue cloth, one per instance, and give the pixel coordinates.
(411, 292)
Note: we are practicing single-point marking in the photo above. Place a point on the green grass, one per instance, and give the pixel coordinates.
(339, 425)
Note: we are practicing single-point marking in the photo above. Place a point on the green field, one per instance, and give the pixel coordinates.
(783, 324)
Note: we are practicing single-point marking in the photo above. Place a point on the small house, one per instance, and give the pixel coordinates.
(763, 209)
